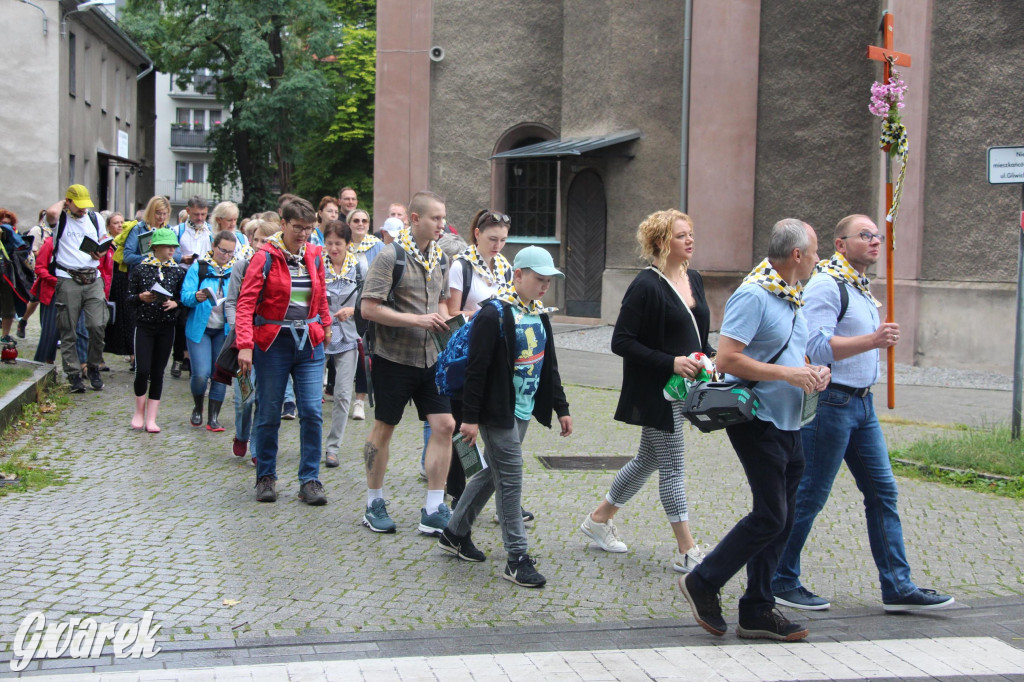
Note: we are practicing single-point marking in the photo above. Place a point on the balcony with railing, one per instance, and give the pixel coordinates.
(189, 138)
(199, 85)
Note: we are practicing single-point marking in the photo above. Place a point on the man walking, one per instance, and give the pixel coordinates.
(79, 286)
(845, 332)
(405, 356)
(763, 339)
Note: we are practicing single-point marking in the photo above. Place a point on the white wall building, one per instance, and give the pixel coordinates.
(185, 118)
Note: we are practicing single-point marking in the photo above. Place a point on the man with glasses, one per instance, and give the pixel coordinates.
(845, 331)
(349, 200)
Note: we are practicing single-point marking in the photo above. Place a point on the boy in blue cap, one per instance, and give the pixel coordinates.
(512, 374)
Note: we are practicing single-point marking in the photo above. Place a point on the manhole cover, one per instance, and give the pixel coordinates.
(584, 463)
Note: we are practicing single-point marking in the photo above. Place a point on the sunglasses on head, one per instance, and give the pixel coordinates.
(493, 217)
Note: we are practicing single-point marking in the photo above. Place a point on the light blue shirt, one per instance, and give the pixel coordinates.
(530, 343)
(821, 297)
(762, 322)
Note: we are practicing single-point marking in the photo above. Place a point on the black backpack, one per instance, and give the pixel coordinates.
(62, 222)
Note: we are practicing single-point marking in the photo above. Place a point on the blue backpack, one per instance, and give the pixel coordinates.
(450, 375)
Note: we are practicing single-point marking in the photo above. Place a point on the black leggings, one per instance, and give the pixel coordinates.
(180, 346)
(152, 349)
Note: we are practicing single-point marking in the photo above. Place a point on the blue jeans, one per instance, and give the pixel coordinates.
(273, 367)
(202, 355)
(81, 337)
(243, 409)
(846, 428)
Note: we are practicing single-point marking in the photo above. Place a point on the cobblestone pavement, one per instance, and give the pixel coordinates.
(168, 523)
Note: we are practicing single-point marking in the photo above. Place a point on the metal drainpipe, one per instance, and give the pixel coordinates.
(684, 136)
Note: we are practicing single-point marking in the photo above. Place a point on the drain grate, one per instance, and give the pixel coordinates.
(584, 463)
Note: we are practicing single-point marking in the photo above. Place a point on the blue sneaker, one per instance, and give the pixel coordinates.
(801, 598)
(434, 524)
(376, 517)
(919, 600)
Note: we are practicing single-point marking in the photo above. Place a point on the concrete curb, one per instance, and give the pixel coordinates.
(26, 392)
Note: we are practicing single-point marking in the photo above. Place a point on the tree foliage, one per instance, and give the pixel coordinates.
(267, 58)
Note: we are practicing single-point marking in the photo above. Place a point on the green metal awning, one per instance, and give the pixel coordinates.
(572, 146)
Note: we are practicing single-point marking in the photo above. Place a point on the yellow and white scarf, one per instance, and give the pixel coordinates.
(406, 242)
(507, 293)
(277, 239)
(218, 270)
(150, 259)
(333, 275)
(840, 269)
(244, 252)
(369, 241)
(501, 266)
(765, 276)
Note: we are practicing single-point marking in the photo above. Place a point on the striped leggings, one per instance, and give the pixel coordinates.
(661, 451)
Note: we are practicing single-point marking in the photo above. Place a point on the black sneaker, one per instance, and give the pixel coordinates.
(312, 493)
(461, 547)
(919, 600)
(21, 327)
(95, 382)
(176, 369)
(288, 411)
(521, 571)
(76, 383)
(771, 624)
(705, 604)
(265, 490)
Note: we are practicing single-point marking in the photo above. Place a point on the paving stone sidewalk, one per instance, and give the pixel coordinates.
(168, 523)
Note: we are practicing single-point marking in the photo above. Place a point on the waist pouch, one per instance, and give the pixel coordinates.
(85, 276)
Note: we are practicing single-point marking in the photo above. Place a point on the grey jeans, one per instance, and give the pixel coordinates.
(345, 365)
(504, 474)
(71, 298)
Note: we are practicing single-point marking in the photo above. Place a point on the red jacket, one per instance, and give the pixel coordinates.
(276, 295)
(45, 283)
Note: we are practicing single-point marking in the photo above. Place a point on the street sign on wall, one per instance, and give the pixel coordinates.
(1005, 165)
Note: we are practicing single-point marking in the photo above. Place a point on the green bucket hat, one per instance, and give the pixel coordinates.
(163, 236)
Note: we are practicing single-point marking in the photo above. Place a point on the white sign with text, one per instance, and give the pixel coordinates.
(1005, 165)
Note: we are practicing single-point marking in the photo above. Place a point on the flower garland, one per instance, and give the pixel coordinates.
(886, 102)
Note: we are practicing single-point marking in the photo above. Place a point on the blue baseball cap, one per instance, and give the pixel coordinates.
(537, 259)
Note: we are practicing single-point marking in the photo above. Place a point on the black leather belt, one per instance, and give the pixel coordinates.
(857, 392)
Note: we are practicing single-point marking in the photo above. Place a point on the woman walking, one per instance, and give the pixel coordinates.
(155, 318)
(204, 291)
(365, 248)
(282, 325)
(664, 318)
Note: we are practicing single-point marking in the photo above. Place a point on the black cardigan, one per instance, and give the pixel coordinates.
(654, 328)
(488, 395)
(142, 278)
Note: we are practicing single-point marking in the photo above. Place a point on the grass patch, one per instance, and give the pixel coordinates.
(12, 375)
(25, 463)
(970, 454)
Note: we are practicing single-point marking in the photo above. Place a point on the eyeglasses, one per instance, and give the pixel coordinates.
(308, 229)
(867, 236)
(493, 217)
(224, 252)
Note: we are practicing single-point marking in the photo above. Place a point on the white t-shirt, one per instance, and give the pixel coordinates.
(194, 242)
(479, 289)
(68, 252)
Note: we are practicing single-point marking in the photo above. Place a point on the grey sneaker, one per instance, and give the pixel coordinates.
(434, 524)
(376, 517)
(603, 534)
(265, 490)
(312, 493)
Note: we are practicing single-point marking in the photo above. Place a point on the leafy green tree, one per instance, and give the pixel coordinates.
(265, 57)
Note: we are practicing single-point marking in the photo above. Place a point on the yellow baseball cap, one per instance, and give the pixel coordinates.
(79, 196)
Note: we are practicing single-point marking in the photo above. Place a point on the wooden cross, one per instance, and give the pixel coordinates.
(889, 58)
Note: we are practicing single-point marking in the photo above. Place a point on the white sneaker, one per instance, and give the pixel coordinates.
(358, 413)
(603, 534)
(684, 563)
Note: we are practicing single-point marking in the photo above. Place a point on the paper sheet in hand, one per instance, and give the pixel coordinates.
(470, 456)
(212, 297)
(159, 290)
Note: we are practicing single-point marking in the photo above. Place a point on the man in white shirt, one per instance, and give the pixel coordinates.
(79, 286)
(194, 235)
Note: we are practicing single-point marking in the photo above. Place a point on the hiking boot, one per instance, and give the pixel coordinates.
(265, 490)
(176, 369)
(197, 410)
(603, 534)
(919, 600)
(434, 524)
(521, 571)
(21, 327)
(705, 604)
(801, 598)
(770, 624)
(376, 517)
(332, 461)
(688, 560)
(75, 383)
(461, 547)
(238, 447)
(95, 382)
(289, 411)
(312, 493)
